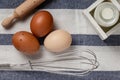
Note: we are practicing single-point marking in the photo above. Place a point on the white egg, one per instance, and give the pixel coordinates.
(58, 41)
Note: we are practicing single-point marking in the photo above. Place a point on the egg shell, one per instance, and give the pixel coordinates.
(41, 23)
(25, 42)
(58, 41)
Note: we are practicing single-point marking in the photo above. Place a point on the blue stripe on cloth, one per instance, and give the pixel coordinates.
(27, 75)
(51, 4)
(78, 39)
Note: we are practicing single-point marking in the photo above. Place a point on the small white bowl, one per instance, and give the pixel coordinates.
(106, 14)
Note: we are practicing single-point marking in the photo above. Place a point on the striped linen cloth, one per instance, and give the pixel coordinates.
(68, 16)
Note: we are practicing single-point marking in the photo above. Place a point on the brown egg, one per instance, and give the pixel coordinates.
(25, 42)
(41, 23)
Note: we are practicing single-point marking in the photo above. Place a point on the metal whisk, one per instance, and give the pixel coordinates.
(88, 60)
(68, 63)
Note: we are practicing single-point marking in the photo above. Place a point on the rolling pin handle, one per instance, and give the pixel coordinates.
(9, 20)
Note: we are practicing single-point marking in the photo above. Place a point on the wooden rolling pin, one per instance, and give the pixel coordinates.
(21, 11)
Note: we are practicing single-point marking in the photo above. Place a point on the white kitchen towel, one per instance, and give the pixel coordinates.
(73, 21)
